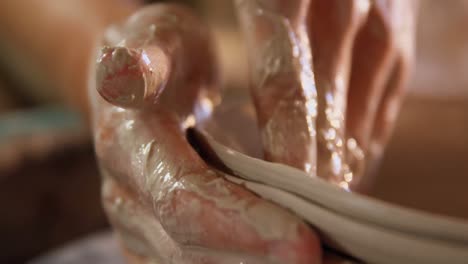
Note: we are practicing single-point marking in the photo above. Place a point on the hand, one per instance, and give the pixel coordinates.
(157, 188)
(327, 80)
(168, 206)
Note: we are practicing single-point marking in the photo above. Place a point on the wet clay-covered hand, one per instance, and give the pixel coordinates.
(156, 74)
(327, 79)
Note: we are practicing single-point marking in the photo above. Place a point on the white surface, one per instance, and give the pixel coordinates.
(369, 229)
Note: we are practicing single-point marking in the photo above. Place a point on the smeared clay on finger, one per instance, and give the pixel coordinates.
(282, 81)
(159, 185)
(301, 109)
(322, 119)
(333, 26)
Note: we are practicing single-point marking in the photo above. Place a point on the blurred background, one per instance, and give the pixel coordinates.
(49, 182)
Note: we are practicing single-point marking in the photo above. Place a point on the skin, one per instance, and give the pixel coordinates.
(333, 29)
(185, 208)
(383, 56)
(281, 86)
(360, 53)
(166, 191)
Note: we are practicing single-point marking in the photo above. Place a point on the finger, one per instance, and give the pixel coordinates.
(165, 51)
(382, 56)
(382, 126)
(372, 61)
(333, 27)
(389, 107)
(282, 83)
(396, 85)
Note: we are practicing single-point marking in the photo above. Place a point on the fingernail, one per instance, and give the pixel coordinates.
(131, 77)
